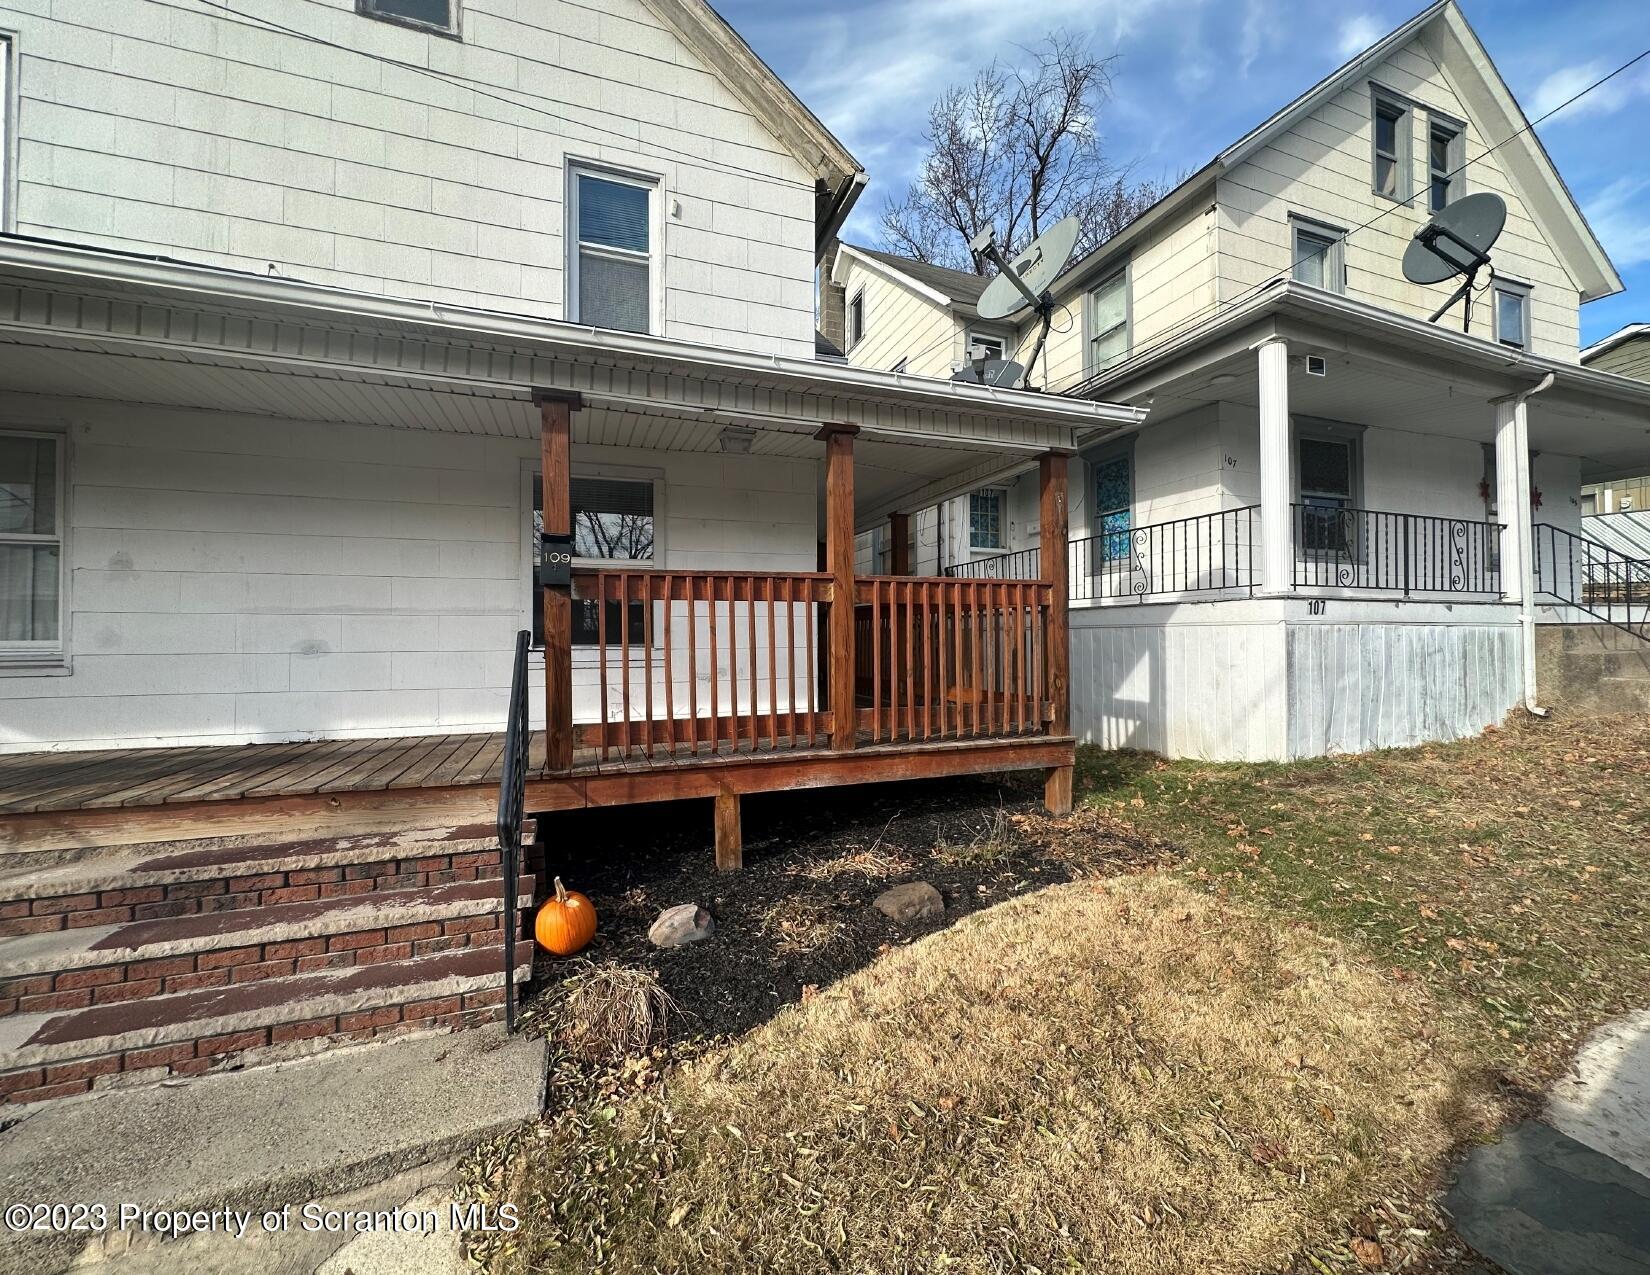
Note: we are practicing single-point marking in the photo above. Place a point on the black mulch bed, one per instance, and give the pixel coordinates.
(799, 914)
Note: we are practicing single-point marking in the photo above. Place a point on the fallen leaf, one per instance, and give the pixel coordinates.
(1371, 1256)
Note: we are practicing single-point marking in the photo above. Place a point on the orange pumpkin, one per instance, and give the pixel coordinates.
(566, 923)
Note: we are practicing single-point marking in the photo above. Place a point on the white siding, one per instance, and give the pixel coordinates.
(900, 324)
(1321, 168)
(201, 135)
(237, 579)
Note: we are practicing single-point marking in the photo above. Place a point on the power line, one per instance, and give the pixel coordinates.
(481, 88)
(1220, 307)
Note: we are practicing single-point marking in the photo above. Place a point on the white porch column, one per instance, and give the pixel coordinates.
(1276, 517)
(1512, 496)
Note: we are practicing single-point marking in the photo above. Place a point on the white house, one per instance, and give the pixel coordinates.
(342, 341)
(1333, 526)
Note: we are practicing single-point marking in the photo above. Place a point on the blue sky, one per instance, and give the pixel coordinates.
(1194, 75)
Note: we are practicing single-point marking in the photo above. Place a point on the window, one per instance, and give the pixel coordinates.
(613, 520)
(1391, 158)
(433, 15)
(1319, 255)
(1113, 504)
(992, 344)
(31, 548)
(1444, 158)
(901, 365)
(610, 281)
(1108, 318)
(985, 519)
(1326, 469)
(856, 319)
(1511, 315)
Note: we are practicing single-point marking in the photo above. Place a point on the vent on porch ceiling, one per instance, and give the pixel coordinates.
(1317, 365)
(736, 440)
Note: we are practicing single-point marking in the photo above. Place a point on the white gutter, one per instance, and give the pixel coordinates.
(558, 339)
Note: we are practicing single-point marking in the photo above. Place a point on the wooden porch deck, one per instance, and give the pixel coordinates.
(78, 800)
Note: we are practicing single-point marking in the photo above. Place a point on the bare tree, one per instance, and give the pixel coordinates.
(1017, 149)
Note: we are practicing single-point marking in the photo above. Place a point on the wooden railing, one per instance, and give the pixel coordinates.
(698, 662)
(938, 657)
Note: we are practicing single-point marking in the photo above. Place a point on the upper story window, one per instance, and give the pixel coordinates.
(989, 342)
(1318, 255)
(985, 519)
(1391, 149)
(1108, 320)
(1511, 314)
(856, 319)
(31, 547)
(432, 15)
(611, 269)
(1444, 162)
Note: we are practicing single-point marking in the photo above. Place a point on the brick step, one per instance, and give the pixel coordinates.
(60, 1053)
(141, 883)
(98, 965)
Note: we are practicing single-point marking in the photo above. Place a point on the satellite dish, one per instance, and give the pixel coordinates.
(1000, 372)
(1025, 281)
(1456, 241)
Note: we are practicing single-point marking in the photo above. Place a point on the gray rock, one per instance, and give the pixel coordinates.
(910, 902)
(684, 923)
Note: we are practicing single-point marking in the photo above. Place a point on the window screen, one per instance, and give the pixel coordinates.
(31, 544)
(428, 13)
(614, 262)
(1109, 322)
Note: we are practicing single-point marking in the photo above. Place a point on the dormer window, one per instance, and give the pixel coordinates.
(1444, 162)
(430, 15)
(1391, 149)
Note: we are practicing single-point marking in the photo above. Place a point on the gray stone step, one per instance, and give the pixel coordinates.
(261, 1139)
(86, 947)
(35, 875)
(49, 1039)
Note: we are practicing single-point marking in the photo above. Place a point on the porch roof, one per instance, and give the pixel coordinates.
(77, 322)
(1390, 370)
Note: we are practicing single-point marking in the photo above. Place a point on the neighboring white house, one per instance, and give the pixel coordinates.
(280, 285)
(1331, 528)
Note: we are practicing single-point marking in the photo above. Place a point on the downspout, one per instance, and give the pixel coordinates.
(1526, 605)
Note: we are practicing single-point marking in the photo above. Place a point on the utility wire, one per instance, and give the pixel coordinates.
(1086, 379)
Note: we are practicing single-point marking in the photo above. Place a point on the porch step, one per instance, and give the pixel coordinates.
(148, 882)
(253, 943)
(1592, 669)
(128, 966)
(58, 1054)
(1594, 637)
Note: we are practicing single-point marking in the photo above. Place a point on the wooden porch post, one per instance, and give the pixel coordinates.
(555, 430)
(1054, 535)
(899, 544)
(839, 561)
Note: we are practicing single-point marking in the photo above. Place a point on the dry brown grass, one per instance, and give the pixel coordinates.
(799, 925)
(1127, 1076)
(876, 863)
(603, 1011)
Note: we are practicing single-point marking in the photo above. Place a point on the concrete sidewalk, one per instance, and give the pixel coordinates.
(381, 1125)
(1569, 1194)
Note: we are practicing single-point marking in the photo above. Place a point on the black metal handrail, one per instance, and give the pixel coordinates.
(512, 796)
(1581, 573)
(1021, 564)
(1204, 553)
(1338, 548)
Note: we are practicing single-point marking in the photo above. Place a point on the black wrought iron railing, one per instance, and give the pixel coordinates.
(1339, 548)
(1208, 553)
(1022, 564)
(512, 795)
(1594, 578)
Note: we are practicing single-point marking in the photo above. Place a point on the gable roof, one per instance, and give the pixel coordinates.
(839, 175)
(1462, 56)
(1632, 332)
(938, 283)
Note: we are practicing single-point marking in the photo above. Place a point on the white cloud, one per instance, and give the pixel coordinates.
(1621, 217)
(1357, 33)
(1567, 81)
